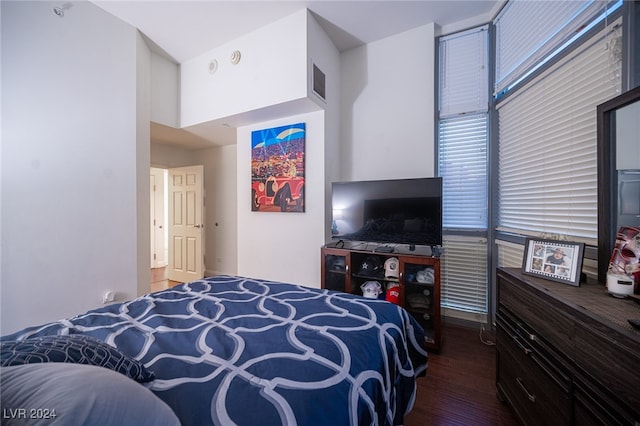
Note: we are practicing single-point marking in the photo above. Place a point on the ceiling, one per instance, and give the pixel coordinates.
(183, 30)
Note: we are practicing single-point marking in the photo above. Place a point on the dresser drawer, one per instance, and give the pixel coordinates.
(545, 319)
(609, 364)
(592, 408)
(537, 393)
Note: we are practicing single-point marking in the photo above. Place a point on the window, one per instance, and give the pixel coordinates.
(547, 150)
(463, 128)
(547, 165)
(528, 34)
(462, 164)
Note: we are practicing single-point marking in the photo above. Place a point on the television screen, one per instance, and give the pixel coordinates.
(397, 211)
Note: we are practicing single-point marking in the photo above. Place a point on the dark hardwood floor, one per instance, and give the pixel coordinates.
(459, 387)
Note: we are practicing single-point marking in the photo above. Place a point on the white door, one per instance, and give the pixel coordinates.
(186, 225)
(157, 215)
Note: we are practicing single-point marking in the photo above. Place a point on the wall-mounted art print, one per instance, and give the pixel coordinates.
(553, 260)
(277, 169)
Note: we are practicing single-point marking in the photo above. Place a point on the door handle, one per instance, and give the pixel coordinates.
(198, 226)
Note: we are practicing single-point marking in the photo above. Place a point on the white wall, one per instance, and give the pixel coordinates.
(167, 156)
(326, 57)
(283, 246)
(70, 161)
(387, 107)
(165, 91)
(141, 163)
(272, 70)
(286, 246)
(221, 206)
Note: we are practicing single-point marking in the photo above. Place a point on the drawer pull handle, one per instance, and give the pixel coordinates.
(521, 346)
(531, 397)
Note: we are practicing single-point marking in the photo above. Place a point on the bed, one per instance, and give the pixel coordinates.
(223, 350)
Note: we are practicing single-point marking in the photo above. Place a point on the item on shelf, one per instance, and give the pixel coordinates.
(393, 293)
(625, 258)
(391, 267)
(363, 265)
(425, 276)
(371, 289)
(372, 266)
(418, 300)
(337, 264)
(619, 285)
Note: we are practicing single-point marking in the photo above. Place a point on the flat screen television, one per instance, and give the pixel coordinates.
(396, 211)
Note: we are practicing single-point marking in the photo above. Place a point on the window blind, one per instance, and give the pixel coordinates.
(547, 165)
(463, 64)
(463, 275)
(463, 128)
(462, 163)
(528, 31)
(463, 167)
(509, 254)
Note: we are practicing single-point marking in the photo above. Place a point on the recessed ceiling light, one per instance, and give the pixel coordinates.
(235, 57)
(213, 66)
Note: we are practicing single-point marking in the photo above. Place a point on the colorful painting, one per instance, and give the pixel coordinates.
(277, 169)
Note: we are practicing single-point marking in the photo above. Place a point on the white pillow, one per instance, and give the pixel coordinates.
(56, 393)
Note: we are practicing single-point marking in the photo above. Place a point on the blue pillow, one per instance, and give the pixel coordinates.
(74, 348)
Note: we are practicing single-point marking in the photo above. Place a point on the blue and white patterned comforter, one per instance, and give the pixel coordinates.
(228, 350)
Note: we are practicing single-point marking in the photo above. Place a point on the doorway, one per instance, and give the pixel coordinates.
(176, 225)
(158, 217)
(186, 223)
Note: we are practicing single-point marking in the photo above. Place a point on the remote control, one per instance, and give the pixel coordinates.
(384, 249)
(635, 323)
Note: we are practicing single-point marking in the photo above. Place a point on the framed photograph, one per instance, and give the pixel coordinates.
(553, 260)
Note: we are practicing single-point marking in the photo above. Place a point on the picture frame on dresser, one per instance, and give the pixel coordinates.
(553, 260)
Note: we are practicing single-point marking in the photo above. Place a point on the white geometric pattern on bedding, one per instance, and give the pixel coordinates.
(230, 350)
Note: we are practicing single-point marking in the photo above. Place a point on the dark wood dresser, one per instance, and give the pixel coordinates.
(566, 355)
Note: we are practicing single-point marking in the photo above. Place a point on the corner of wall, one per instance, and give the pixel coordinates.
(143, 164)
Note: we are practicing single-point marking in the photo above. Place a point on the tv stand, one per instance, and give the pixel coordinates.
(418, 276)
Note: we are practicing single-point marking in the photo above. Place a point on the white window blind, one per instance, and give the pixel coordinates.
(463, 128)
(528, 31)
(463, 167)
(463, 276)
(463, 63)
(462, 163)
(547, 167)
